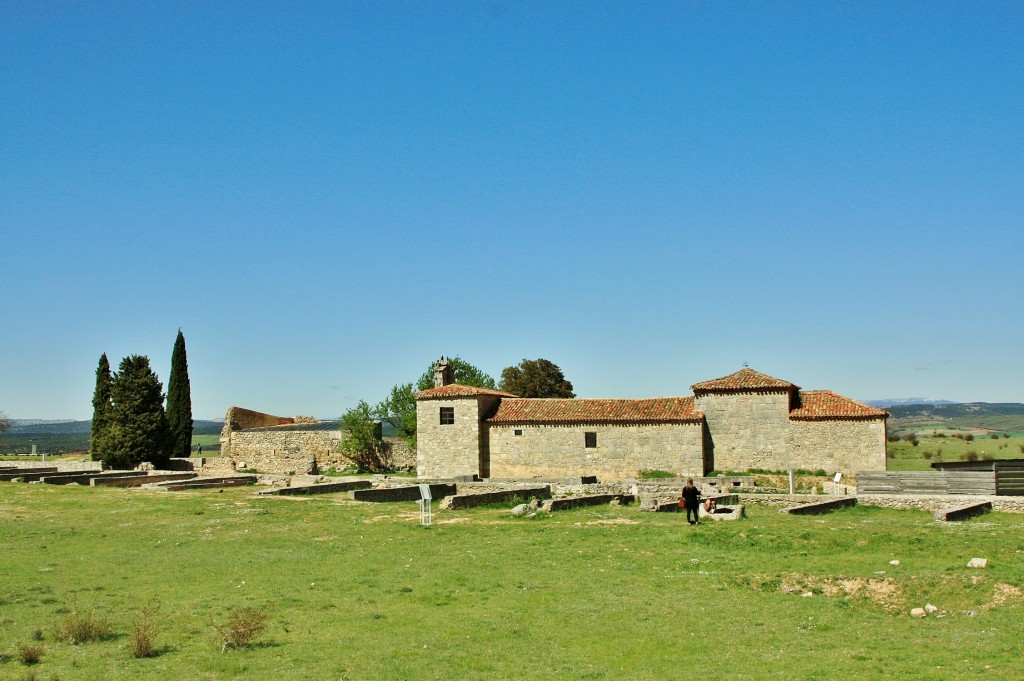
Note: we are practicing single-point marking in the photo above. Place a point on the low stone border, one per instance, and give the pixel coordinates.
(208, 483)
(408, 493)
(12, 473)
(964, 512)
(461, 501)
(84, 478)
(565, 503)
(138, 480)
(318, 488)
(821, 506)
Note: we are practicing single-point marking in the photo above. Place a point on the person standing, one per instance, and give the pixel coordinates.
(691, 498)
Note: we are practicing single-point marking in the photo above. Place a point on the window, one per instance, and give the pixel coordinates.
(590, 440)
(447, 416)
(517, 432)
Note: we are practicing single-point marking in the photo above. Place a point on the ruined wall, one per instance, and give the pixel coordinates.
(280, 450)
(622, 451)
(445, 451)
(748, 430)
(847, 446)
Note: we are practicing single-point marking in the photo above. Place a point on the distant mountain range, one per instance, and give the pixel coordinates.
(59, 427)
(902, 401)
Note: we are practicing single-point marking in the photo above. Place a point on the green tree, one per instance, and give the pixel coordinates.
(465, 374)
(101, 410)
(179, 401)
(399, 409)
(5, 423)
(536, 378)
(138, 429)
(361, 439)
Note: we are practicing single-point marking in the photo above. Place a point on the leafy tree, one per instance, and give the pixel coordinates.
(536, 378)
(101, 410)
(179, 401)
(465, 374)
(399, 409)
(362, 442)
(5, 423)
(138, 429)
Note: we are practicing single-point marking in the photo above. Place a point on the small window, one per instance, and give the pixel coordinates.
(517, 432)
(590, 440)
(447, 416)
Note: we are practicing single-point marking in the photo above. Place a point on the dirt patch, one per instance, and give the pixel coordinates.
(613, 521)
(883, 591)
(1005, 594)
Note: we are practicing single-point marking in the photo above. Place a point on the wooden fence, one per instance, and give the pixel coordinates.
(1000, 478)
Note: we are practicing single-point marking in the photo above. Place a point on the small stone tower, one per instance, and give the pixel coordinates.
(443, 373)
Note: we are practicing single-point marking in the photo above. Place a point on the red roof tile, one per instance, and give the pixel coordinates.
(656, 410)
(744, 380)
(824, 404)
(457, 390)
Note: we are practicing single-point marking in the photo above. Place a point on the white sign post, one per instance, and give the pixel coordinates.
(426, 515)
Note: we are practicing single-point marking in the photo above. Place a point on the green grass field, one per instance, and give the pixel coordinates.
(930, 448)
(361, 591)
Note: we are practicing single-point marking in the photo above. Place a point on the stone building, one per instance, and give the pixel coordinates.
(281, 444)
(737, 422)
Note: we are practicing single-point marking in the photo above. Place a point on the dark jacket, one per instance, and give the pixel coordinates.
(692, 496)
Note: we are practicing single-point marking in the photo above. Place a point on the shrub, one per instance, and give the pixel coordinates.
(30, 654)
(1006, 435)
(145, 630)
(986, 457)
(994, 436)
(1021, 448)
(242, 628)
(926, 454)
(82, 628)
(648, 474)
(969, 455)
(939, 434)
(969, 437)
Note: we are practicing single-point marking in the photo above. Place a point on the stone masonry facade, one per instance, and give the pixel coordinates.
(276, 444)
(621, 451)
(747, 420)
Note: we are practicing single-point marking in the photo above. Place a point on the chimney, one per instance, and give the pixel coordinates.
(443, 374)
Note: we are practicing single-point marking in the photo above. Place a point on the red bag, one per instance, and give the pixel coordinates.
(682, 502)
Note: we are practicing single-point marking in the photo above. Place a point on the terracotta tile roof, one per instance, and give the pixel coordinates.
(457, 390)
(656, 410)
(744, 380)
(816, 405)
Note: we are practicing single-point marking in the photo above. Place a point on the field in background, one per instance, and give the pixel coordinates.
(361, 591)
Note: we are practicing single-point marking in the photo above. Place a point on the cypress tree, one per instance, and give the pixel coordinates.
(138, 426)
(101, 409)
(179, 401)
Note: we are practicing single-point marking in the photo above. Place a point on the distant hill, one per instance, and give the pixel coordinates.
(70, 436)
(41, 427)
(1007, 417)
(957, 411)
(902, 401)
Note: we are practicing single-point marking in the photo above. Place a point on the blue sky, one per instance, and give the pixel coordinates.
(325, 197)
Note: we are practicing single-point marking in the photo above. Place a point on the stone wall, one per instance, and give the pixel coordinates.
(460, 448)
(748, 430)
(622, 451)
(852, 445)
(753, 430)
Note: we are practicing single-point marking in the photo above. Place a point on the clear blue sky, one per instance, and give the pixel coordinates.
(327, 196)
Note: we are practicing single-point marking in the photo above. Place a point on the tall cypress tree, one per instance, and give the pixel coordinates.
(101, 408)
(138, 429)
(179, 401)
